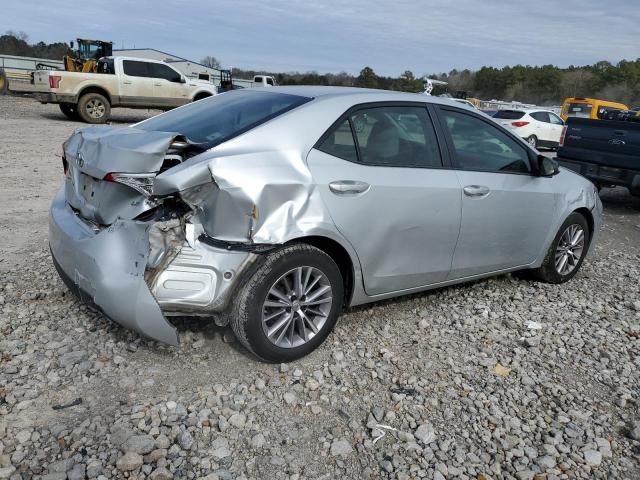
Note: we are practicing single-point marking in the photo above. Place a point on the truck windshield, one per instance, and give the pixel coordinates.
(217, 119)
(580, 110)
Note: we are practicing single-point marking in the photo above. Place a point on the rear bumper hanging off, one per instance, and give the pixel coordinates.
(106, 268)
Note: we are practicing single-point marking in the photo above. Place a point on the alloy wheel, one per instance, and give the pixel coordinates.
(297, 307)
(95, 108)
(569, 249)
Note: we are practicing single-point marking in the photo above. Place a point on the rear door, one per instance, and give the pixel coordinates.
(380, 172)
(136, 84)
(168, 89)
(506, 211)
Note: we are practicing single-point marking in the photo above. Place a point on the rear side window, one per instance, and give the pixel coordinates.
(396, 136)
(163, 71)
(135, 69)
(480, 146)
(339, 143)
(387, 136)
(217, 119)
(509, 114)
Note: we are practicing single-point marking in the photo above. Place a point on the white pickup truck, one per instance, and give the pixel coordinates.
(120, 82)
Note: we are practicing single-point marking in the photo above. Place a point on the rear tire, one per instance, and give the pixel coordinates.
(94, 108)
(533, 141)
(296, 320)
(4, 83)
(567, 251)
(69, 110)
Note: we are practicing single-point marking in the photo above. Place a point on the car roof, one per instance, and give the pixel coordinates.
(358, 95)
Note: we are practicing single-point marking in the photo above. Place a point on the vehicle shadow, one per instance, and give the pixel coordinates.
(114, 120)
(619, 200)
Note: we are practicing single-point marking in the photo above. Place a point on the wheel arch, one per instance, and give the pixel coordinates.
(340, 255)
(201, 94)
(95, 89)
(586, 213)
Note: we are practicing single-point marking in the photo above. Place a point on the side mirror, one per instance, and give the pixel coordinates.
(547, 167)
(182, 79)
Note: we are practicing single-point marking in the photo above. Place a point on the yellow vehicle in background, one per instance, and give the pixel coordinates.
(588, 108)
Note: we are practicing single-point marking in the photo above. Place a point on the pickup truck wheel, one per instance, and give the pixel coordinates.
(69, 110)
(94, 108)
(289, 305)
(533, 141)
(566, 254)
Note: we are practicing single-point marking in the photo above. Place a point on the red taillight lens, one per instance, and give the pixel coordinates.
(519, 124)
(54, 81)
(142, 182)
(563, 136)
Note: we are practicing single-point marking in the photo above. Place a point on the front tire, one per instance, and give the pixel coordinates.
(289, 305)
(94, 108)
(566, 254)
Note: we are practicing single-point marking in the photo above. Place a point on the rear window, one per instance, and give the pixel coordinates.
(509, 114)
(580, 110)
(219, 118)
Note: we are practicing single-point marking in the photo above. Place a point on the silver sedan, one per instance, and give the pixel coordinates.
(273, 209)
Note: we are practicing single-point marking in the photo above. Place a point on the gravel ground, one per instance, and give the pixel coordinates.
(503, 378)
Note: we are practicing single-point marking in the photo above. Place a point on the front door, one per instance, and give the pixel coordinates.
(381, 176)
(168, 89)
(506, 211)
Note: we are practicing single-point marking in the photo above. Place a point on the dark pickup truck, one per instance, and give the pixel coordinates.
(606, 152)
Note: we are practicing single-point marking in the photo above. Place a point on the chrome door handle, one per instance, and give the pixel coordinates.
(348, 187)
(476, 191)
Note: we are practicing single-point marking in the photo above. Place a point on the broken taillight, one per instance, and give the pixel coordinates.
(141, 182)
(54, 81)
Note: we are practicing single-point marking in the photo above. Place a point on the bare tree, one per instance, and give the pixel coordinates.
(211, 62)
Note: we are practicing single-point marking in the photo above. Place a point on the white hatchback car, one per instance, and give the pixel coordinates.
(540, 128)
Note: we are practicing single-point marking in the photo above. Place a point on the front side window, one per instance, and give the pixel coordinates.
(269, 81)
(163, 71)
(217, 119)
(541, 116)
(134, 68)
(556, 120)
(481, 146)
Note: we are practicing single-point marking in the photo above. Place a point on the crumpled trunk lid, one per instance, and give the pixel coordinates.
(92, 153)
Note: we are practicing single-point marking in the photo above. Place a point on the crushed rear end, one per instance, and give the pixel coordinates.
(137, 256)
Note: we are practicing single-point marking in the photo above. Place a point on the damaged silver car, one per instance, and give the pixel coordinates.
(273, 209)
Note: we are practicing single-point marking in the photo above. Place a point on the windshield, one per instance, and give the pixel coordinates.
(217, 119)
(580, 110)
(509, 114)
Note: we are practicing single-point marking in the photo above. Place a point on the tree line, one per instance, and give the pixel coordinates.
(540, 85)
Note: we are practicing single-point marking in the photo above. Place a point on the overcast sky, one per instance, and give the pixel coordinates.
(330, 35)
